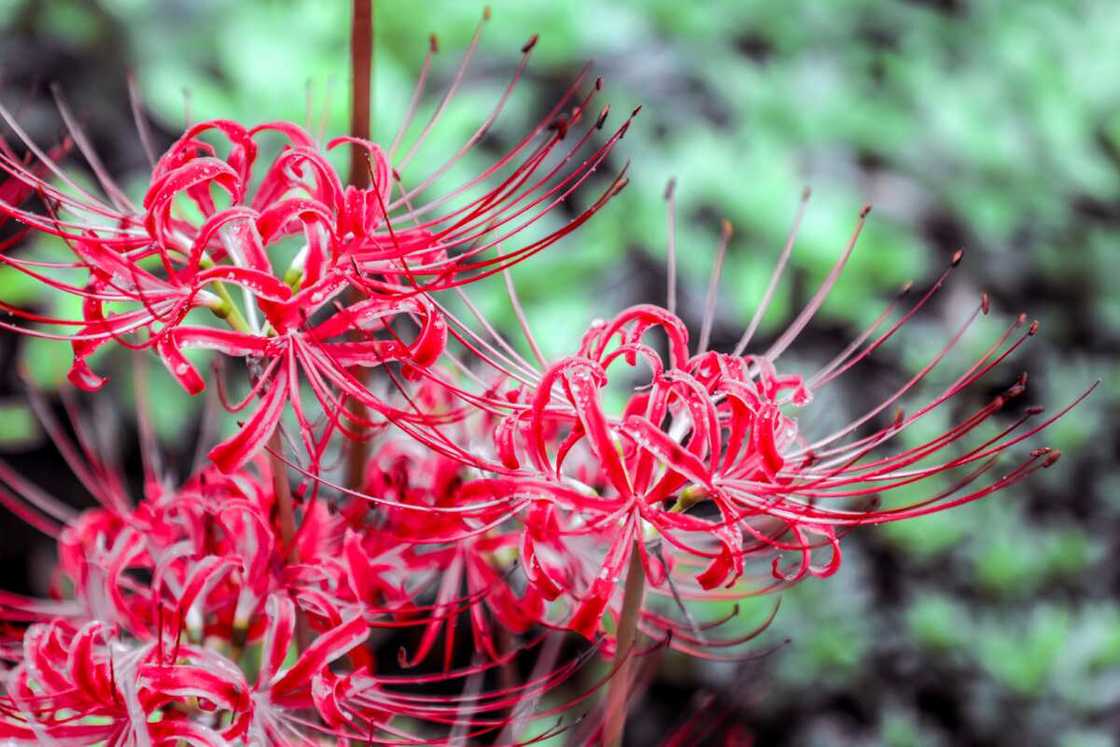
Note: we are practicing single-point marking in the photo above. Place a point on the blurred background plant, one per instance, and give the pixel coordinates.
(992, 125)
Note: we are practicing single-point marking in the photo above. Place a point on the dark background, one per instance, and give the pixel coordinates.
(993, 126)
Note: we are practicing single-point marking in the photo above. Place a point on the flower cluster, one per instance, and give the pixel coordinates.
(160, 607)
(553, 512)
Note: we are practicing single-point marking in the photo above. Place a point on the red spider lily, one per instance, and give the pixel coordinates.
(157, 603)
(209, 547)
(87, 685)
(466, 555)
(703, 469)
(212, 234)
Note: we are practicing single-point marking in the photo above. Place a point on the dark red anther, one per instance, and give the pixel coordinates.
(863, 211)
(528, 46)
(669, 187)
(433, 43)
(1033, 329)
(1018, 387)
(602, 117)
(985, 303)
(957, 257)
(1034, 410)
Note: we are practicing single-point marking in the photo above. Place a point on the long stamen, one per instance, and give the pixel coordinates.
(522, 320)
(713, 287)
(456, 81)
(819, 297)
(671, 246)
(145, 133)
(116, 194)
(417, 94)
(779, 268)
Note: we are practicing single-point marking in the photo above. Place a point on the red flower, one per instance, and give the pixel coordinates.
(704, 470)
(209, 236)
(159, 604)
(88, 685)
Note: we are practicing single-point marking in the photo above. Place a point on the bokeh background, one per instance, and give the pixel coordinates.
(985, 124)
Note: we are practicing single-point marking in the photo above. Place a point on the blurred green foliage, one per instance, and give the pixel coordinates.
(992, 124)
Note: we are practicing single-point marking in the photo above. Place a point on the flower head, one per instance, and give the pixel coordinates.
(311, 277)
(700, 463)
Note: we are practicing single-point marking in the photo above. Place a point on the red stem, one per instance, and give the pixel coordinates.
(282, 490)
(361, 78)
(618, 694)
